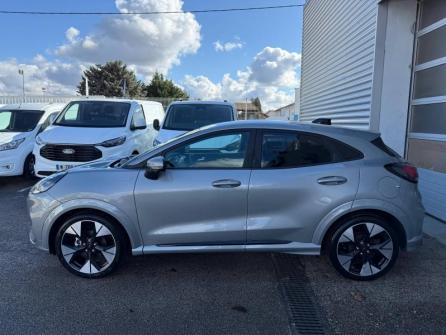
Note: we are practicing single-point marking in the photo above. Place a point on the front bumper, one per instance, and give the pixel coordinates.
(11, 163)
(40, 207)
(45, 167)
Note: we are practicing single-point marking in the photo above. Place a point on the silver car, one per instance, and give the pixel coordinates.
(237, 186)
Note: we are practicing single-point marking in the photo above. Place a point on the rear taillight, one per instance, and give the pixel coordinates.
(404, 170)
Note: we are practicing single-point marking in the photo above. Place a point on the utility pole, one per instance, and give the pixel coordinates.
(246, 109)
(21, 72)
(86, 86)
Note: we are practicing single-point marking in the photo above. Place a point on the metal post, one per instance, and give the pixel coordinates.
(86, 87)
(246, 109)
(23, 83)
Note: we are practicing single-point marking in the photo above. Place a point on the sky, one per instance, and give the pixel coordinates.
(232, 55)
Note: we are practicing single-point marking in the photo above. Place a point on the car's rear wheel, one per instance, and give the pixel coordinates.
(89, 246)
(364, 248)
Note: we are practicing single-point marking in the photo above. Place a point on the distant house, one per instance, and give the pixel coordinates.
(249, 111)
(287, 112)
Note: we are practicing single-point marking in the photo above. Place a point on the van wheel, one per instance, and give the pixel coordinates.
(89, 246)
(28, 167)
(364, 248)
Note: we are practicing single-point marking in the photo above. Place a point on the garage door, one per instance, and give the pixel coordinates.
(427, 130)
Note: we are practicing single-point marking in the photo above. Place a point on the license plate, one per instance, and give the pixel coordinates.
(60, 167)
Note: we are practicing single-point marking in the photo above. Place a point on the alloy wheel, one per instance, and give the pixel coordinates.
(365, 249)
(88, 247)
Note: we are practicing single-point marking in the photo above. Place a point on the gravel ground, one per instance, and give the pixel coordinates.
(410, 299)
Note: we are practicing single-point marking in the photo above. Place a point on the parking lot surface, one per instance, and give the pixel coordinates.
(163, 294)
(204, 293)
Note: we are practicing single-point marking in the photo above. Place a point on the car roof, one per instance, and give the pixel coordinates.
(32, 106)
(201, 102)
(99, 98)
(292, 125)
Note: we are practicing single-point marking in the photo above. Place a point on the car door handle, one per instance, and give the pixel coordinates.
(332, 180)
(226, 183)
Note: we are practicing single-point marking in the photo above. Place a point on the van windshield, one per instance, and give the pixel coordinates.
(19, 120)
(95, 114)
(192, 116)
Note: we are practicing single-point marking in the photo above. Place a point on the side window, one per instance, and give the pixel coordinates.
(72, 113)
(5, 120)
(221, 151)
(138, 117)
(293, 149)
(47, 122)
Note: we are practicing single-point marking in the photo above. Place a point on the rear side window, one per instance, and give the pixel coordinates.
(293, 149)
(378, 142)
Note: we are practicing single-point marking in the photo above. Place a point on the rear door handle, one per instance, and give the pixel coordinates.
(332, 180)
(226, 183)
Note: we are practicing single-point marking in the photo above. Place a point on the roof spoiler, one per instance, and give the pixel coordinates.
(325, 121)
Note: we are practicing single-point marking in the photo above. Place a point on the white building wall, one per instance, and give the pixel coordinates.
(391, 105)
(338, 60)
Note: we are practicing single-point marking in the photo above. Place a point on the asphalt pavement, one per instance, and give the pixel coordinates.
(205, 293)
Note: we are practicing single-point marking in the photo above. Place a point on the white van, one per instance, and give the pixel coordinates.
(88, 130)
(19, 125)
(184, 116)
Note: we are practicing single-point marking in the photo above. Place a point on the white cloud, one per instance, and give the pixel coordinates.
(275, 66)
(148, 42)
(56, 77)
(71, 34)
(271, 76)
(228, 46)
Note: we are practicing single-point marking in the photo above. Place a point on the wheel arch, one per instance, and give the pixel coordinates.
(85, 211)
(399, 228)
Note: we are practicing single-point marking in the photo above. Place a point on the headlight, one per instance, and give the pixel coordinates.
(113, 142)
(11, 145)
(45, 184)
(39, 141)
(156, 142)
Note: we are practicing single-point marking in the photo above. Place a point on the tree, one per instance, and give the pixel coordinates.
(161, 87)
(256, 102)
(110, 79)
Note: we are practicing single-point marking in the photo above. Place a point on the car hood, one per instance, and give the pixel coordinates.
(6, 137)
(79, 135)
(165, 135)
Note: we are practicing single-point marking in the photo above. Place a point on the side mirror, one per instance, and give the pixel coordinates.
(156, 124)
(154, 167)
(138, 123)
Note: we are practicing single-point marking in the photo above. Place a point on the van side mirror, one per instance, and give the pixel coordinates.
(138, 123)
(156, 124)
(154, 167)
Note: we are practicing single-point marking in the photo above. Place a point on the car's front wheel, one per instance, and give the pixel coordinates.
(364, 248)
(89, 246)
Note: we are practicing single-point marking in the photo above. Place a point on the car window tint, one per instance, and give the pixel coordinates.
(293, 149)
(222, 151)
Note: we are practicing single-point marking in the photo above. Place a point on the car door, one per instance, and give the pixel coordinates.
(201, 197)
(297, 180)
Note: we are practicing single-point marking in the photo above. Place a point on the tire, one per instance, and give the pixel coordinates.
(28, 167)
(90, 246)
(364, 247)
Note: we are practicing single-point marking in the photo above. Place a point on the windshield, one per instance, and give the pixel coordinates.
(192, 116)
(19, 120)
(95, 114)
